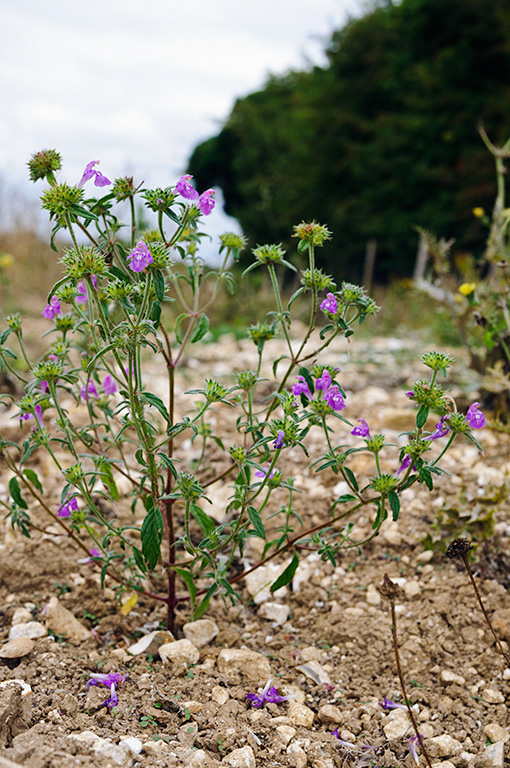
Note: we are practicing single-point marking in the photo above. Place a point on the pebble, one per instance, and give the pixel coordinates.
(412, 589)
(396, 724)
(32, 629)
(200, 632)
(447, 676)
(62, 622)
(12, 719)
(494, 755)
(156, 748)
(17, 648)
(258, 582)
(328, 713)
(276, 612)
(284, 733)
(315, 672)
(392, 536)
(493, 696)
(219, 695)
(443, 746)
(251, 664)
(240, 758)
(21, 615)
(151, 643)
(496, 732)
(372, 596)
(300, 714)
(131, 744)
(179, 652)
(26, 695)
(425, 556)
(104, 747)
(297, 756)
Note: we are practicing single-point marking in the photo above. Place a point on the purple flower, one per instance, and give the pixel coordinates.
(268, 694)
(410, 394)
(82, 297)
(110, 680)
(334, 398)
(93, 553)
(475, 417)
(412, 747)
(342, 742)
(186, 189)
(363, 430)
(65, 510)
(109, 386)
(442, 429)
(38, 415)
(263, 472)
(89, 390)
(278, 443)
(329, 304)
(324, 381)
(206, 201)
(53, 309)
(89, 173)
(386, 703)
(302, 388)
(140, 258)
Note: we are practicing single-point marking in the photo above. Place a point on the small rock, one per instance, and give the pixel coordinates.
(258, 582)
(501, 623)
(493, 696)
(284, 733)
(21, 616)
(104, 748)
(496, 732)
(316, 672)
(372, 596)
(31, 629)
(396, 724)
(62, 622)
(69, 705)
(443, 746)
(251, 664)
(150, 643)
(443, 764)
(447, 676)
(193, 706)
(425, 556)
(392, 536)
(26, 695)
(494, 755)
(240, 758)
(179, 652)
(276, 612)
(157, 749)
(13, 719)
(310, 653)
(120, 654)
(200, 632)
(297, 756)
(412, 589)
(300, 714)
(328, 713)
(219, 695)
(15, 649)
(131, 744)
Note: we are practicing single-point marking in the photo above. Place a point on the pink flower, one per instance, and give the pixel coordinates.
(140, 258)
(363, 430)
(109, 386)
(53, 309)
(65, 510)
(475, 417)
(329, 304)
(110, 680)
(89, 173)
(334, 398)
(186, 189)
(82, 297)
(89, 390)
(324, 381)
(302, 388)
(206, 201)
(442, 429)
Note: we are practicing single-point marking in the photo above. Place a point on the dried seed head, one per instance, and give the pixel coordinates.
(388, 588)
(458, 548)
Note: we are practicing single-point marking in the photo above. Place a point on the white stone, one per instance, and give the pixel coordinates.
(496, 732)
(158, 749)
(200, 632)
(328, 713)
(104, 748)
(412, 589)
(240, 758)
(31, 629)
(62, 622)
(131, 744)
(251, 664)
(495, 754)
(219, 695)
(297, 756)
(300, 714)
(443, 746)
(443, 764)
(372, 597)
(258, 582)
(179, 652)
(396, 724)
(21, 615)
(425, 556)
(150, 643)
(392, 535)
(493, 696)
(276, 612)
(284, 733)
(447, 676)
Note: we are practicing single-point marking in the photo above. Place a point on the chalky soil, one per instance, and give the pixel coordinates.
(324, 643)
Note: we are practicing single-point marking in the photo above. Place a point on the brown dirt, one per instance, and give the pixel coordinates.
(199, 716)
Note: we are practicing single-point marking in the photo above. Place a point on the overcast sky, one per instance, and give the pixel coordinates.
(137, 84)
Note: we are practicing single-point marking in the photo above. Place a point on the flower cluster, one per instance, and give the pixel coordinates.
(140, 257)
(331, 394)
(268, 694)
(90, 173)
(205, 201)
(110, 681)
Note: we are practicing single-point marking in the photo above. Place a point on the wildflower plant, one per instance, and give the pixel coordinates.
(130, 297)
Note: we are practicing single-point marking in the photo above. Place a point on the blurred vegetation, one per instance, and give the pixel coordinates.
(381, 139)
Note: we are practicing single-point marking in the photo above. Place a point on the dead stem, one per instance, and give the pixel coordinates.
(460, 548)
(390, 590)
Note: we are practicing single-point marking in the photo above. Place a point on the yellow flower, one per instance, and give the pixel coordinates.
(466, 289)
(478, 212)
(6, 259)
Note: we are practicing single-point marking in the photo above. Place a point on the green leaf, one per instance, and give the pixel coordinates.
(32, 476)
(351, 479)
(422, 416)
(256, 521)
(157, 402)
(305, 373)
(151, 535)
(188, 580)
(204, 605)
(394, 504)
(346, 498)
(158, 280)
(205, 522)
(15, 492)
(156, 313)
(140, 562)
(203, 327)
(287, 576)
(108, 480)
